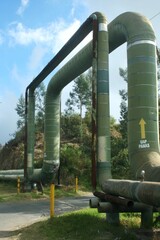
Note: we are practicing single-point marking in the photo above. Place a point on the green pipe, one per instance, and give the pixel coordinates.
(80, 34)
(80, 63)
(103, 115)
(144, 192)
(143, 133)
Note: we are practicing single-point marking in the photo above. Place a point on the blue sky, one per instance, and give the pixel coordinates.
(33, 31)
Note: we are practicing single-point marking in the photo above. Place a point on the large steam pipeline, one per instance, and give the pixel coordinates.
(143, 127)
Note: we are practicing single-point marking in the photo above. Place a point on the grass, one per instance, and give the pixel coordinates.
(80, 225)
(8, 192)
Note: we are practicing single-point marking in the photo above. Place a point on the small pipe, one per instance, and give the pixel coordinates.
(114, 199)
(106, 207)
(93, 202)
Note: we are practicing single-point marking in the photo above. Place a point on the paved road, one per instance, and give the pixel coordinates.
(17, 215)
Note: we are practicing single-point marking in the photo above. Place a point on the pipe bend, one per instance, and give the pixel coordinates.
(124, 29)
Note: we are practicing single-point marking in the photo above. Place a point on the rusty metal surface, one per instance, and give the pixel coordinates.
(114, 199)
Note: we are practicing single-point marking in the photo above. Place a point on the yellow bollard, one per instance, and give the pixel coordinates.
(52, 188)
(76, 184)
(18, 184)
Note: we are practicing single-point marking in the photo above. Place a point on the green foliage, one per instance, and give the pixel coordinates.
(12, 153)
(20, 109)
(70, 127)
(121, 165)
(40, 107)
(119, 137)
(81, 94)
(74, 162)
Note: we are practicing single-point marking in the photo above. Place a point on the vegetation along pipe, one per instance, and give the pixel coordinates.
(143, 133)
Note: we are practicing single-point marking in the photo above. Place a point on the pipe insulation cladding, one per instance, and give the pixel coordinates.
(143, 126)
(144, 192)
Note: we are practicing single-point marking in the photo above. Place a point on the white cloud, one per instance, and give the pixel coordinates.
(54, 36)
(23, 6)
(25, 36)
(64, 35)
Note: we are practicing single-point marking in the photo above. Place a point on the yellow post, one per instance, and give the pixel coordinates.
(18, 185)
(76, 184)
(52, 188)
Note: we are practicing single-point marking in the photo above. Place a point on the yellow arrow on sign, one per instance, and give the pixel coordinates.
(142, 126)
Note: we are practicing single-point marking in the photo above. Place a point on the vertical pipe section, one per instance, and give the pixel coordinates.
(30, 133)
(143, 134)
(143, 100)
(52, 136)
(103, 116)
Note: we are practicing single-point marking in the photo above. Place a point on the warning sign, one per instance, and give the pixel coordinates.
(144, 144)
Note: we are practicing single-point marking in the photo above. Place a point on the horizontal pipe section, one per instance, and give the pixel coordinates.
(13, 174)
(106, 207)
(114, 199)
(144, 192)
(93, 202)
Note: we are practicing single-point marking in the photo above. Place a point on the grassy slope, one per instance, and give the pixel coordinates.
(86, 224)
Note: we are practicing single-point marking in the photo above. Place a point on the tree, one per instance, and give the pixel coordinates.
(20, 109)
(80, 97)
(70, 127)
(123, 108)
(81, 94)
(119, 136)
(40, 107)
